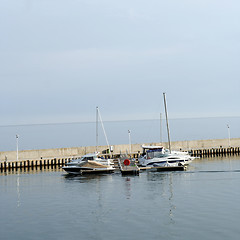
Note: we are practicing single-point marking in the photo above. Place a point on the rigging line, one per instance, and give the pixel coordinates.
(100, 117)
(97, 129)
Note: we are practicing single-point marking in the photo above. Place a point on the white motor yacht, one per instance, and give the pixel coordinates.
(159, 156)
(90, 162)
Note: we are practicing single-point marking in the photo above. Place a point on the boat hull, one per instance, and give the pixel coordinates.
(84, 170)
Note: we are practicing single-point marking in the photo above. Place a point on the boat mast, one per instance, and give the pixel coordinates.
(104, 131)
(161, 128)
(165, 105)
(96, 129)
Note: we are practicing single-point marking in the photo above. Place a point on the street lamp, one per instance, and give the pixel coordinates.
(129, 135)
(228, 135)
(17, 136)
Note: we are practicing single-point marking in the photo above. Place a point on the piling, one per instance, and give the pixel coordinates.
(30, 164)
(221, 151)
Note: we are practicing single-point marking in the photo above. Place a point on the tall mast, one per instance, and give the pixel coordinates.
(96, 129)
(101, 121)
(165, 105)
(161, 128)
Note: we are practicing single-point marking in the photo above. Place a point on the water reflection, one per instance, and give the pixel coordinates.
(128, 187)
(165, 181)
(172, 207)
(153, 205)
(18, 191)
(86, 177)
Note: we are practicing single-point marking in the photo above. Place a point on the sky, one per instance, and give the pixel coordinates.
(59, 59)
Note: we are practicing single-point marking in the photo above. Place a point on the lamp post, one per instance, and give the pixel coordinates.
(17, 136)
(229, 143)
(129, 135)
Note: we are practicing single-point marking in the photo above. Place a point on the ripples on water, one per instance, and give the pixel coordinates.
(200, 203)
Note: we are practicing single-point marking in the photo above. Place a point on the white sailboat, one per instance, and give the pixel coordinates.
(91, 163)
(158, 156)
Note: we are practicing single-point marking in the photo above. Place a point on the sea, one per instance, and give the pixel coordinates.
(199, 203)
(61, 135)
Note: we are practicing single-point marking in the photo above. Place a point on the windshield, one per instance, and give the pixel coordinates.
(87, 158)
(155, 153)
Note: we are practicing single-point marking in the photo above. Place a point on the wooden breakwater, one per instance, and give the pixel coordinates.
(221, 151)
(46, 163)
(61, 161)
(30, 164)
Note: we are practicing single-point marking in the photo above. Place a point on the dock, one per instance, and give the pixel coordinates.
(128, 167)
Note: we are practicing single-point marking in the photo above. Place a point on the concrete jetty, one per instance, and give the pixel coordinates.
(59, 156)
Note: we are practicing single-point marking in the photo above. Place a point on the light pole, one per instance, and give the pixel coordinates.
(229, 143)
(129, 135)
(17, 136)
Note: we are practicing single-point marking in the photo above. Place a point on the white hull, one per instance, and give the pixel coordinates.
(158, 155)
(173, 159)
(81, 170)
(90, 163)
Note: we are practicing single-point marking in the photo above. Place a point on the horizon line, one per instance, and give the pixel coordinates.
(123, 120)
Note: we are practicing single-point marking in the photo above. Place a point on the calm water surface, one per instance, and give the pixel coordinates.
(200, 203)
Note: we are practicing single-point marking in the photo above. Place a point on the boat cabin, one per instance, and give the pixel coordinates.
(89, 157)
(153, 151)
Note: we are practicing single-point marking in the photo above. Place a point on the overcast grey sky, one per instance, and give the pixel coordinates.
(59, 59)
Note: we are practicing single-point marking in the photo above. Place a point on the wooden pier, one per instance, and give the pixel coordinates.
(128, 167)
